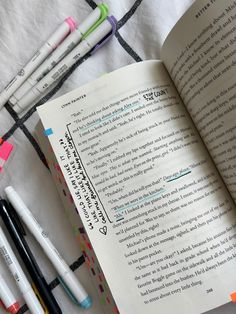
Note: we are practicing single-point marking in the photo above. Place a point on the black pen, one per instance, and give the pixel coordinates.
(17, 233)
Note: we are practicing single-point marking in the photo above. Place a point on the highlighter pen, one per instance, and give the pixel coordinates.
(17, 233)
(91, 22)
(19, 276)
(89, 44)
(11, 304)
(55, 39)
(54, 256)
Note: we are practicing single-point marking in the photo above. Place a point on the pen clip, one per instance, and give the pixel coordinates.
(16, 217)
(68, 291)
(113, 23)
(103, 14)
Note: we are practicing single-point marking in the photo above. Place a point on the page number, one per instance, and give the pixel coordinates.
(209, 290)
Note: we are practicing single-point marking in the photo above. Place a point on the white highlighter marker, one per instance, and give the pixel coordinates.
(91, 22)
(54, 256)
(19, 276)
(55, 39)
(94, 41)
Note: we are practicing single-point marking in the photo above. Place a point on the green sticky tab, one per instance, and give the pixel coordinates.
(75, 230)
(103, 15)
(103, 300)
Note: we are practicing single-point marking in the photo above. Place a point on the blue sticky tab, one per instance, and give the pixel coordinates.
(48, 132)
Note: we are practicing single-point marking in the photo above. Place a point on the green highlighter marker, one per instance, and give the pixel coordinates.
(95, 18)
(98, 16)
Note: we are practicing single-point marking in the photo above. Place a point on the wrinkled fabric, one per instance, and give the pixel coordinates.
(24, 26)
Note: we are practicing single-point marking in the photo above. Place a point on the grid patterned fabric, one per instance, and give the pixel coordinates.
(25, 24)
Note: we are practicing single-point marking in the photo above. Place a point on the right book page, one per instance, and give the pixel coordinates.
(200, 55)
(155, 209)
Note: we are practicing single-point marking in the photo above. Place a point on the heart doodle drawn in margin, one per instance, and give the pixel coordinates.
(103, 230)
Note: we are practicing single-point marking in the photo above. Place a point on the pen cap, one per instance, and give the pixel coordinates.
(61, 32)
(20, 92)
(28, 98)
(113, 22)
(71, 22)
(8, 299)
(13, 100)
(89, 21)
(14, 308)
(99, 33)
(94, 19)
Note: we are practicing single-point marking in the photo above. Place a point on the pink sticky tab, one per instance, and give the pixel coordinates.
(5, 152)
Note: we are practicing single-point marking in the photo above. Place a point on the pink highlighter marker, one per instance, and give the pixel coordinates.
(53, 41)
(8, 301)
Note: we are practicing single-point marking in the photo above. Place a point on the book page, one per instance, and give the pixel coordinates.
(96, 275)
(157, 213)
(200, 54)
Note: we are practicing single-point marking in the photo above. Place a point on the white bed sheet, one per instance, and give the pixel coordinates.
(24, 25)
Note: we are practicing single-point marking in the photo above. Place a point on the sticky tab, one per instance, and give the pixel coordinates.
(48, 132)
(233, 297)
(5, 152)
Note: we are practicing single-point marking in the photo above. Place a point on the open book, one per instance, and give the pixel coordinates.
(149, 155)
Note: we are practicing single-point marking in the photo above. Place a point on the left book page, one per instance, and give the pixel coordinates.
(157, 213)
(107, 304)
